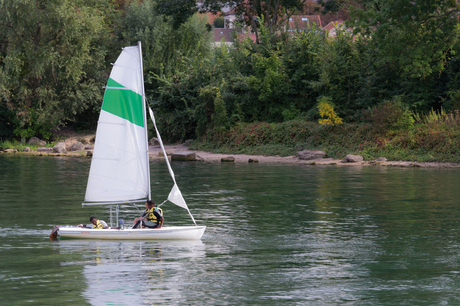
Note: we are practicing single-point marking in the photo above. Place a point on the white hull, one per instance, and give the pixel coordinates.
(164, 233)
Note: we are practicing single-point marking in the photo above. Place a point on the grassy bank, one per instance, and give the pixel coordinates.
(433, 138)
(422, 141)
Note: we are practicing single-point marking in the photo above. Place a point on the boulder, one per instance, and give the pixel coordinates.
(89, 153)
(310, 154)
(183, 156)
(154, 142)
(26, 149)
(89, 147)
(36, 141)
(59, 148)
(253, 160)
(78, 146)
(160, 154)
(353, 158)
(44, 149)
(11, 150)
(228, 159)
(381, 159)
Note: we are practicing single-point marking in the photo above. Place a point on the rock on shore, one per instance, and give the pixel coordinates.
(305, 157)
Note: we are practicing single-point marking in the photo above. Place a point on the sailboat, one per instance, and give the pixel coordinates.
(120, 172)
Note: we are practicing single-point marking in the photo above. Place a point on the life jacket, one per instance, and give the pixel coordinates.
(151, 216)
(98, 225)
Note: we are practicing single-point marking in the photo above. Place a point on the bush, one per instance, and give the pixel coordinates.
(327, 113)
(390, 115)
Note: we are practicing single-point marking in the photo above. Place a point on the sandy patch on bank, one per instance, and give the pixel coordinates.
(155, 153)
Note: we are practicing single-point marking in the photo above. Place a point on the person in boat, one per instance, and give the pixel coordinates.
(95, 224)
(152, 217)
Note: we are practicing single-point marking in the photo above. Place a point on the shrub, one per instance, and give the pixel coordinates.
(439, 117)
(327, 113)
(390, 115)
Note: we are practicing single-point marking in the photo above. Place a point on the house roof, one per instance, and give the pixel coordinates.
(244, 36)
(304, 21)
(332, 25)
(226, 34)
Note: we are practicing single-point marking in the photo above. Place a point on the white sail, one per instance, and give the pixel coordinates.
(175, 196)
(119, 170)
(119, 167)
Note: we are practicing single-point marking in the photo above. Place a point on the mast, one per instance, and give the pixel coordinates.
(144, 111)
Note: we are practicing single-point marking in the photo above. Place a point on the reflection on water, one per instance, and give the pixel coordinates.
(295, 235)
(128, 273)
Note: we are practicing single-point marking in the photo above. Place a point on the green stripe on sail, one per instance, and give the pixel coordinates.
(123, 103)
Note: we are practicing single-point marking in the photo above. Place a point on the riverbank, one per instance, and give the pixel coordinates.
(424, 145)
(156, 153)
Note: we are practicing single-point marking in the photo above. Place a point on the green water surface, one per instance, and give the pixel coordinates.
(277, 235)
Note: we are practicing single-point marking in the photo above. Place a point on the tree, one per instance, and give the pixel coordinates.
(412, 43)
(219, 22)
(415, 35)
(52, 61)
(166, 50)
(179, 10)
(170, 56)
(272, 14)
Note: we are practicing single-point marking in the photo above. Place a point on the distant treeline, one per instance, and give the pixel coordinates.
(55, 58)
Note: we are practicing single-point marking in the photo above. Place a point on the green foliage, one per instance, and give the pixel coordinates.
(219, 22)
(414, 35)
(439, 118)
(390, 115)
(179, 10)
(411, 43)
(422, 143)
(5, 145)
(54, 59)
(343, 64)
(51, 60)
(219, 118)
(327, 113)
(166, 50)
(303, 67)
(213, 112)
(256, 14)
(270, 84)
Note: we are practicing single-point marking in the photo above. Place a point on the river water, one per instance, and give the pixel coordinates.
(276, 235)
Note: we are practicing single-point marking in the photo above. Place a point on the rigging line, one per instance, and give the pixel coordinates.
(137, 208)
(163, 202)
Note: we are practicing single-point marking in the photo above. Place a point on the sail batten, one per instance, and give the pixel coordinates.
(119, 88)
